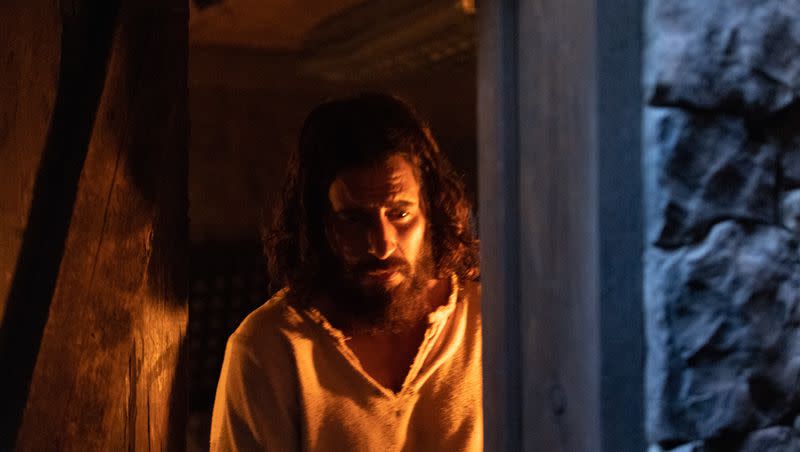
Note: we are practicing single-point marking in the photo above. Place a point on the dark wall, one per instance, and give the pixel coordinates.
(243, 128)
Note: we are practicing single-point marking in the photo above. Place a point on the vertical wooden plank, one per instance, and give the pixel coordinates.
(558, 217)
(539, 210)
(498, 159)
(81, 68)
(109, 370)
(29, 62)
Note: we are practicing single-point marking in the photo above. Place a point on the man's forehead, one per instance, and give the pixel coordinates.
(391, 181)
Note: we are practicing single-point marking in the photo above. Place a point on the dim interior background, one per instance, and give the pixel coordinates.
(255, 70)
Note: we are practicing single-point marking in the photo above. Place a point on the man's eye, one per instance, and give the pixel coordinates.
(398, 214)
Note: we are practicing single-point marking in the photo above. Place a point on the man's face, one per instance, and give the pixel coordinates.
(377, 229)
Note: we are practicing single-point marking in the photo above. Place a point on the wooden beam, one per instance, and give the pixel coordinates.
(96, 350)
(538, 222)
(80, 82)
(498, 182)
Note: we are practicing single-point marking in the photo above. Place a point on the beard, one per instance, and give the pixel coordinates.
(374, 307)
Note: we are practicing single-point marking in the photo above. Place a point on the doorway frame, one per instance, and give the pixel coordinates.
(561, 231)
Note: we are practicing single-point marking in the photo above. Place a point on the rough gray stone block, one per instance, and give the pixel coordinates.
(740, 56)
(701, 169)
(790, 210)
(696, 446)
(722, 335)
(773, 439)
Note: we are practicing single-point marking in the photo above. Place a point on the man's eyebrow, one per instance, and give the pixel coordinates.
(400, 204)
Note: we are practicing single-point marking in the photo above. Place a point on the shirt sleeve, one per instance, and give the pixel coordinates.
(255, 408)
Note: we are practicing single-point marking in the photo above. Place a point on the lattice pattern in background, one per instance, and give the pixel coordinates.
(228, 281)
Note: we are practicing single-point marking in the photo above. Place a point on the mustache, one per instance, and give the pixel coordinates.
(373, 265)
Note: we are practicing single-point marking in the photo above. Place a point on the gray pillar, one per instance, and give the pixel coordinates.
(561, 240)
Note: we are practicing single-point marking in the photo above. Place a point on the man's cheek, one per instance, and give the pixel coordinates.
(348, 254)
(342, 244)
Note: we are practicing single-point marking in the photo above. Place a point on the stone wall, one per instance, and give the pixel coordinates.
(722, 265)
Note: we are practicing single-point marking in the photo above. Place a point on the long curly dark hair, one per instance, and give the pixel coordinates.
(358, 132)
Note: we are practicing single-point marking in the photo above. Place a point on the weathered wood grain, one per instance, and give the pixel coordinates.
(80, 78)
(498, 160)
(558, 214)
(538, 146)
(29, 58)
(108, 371)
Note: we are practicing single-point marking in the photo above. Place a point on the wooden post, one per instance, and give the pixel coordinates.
(548, 236)
(498, 182)
(94, 226)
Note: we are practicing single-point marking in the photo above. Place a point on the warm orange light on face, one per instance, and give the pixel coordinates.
(377, 214)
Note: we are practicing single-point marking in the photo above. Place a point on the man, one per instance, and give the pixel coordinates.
(375, 341)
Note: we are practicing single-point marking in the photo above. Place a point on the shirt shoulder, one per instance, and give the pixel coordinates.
(471, 287)
(471, 292)
(255, 406)
(269, 323)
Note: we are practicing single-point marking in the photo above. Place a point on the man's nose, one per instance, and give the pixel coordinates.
(382, 239)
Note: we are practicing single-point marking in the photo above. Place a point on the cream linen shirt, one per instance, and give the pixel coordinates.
(289, 383)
